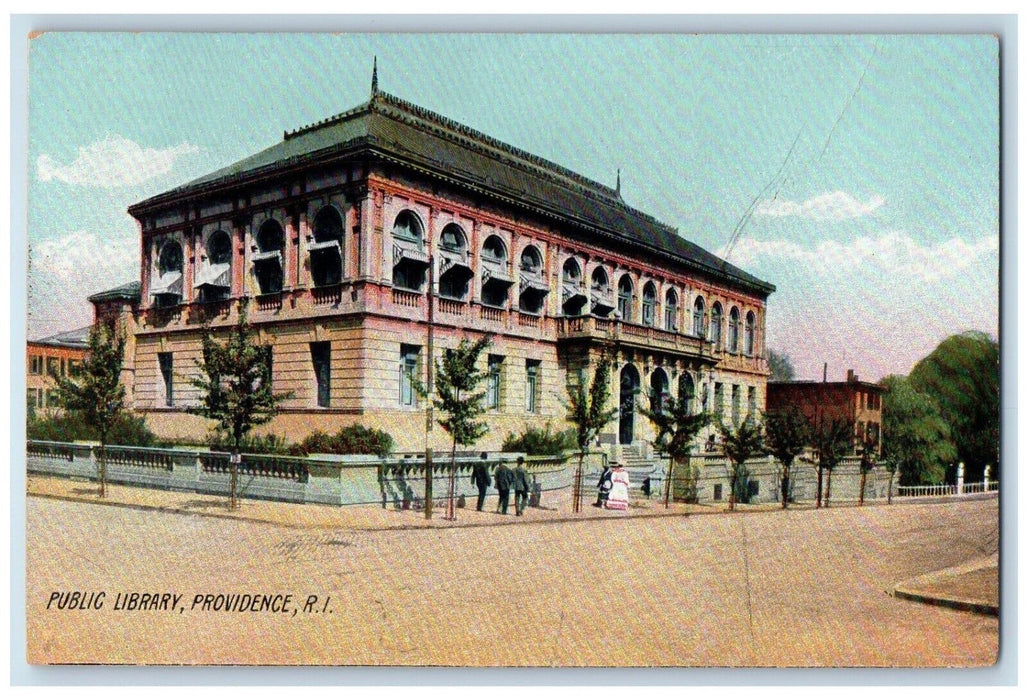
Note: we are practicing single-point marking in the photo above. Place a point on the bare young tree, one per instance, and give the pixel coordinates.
(97, 392)
(787, 434)
(235, 387)
(589, 413)
(677, 427)
(740, 444)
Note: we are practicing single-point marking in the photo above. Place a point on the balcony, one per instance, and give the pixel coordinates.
(601, 329)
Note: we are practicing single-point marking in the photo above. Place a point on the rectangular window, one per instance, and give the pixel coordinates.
(752, 402)
(166, 363)
(39, 398)
(269, 373)
(408, 371)
(51, 398)
(753, 489)
(30, 399)
(36, 364)
(64, 371)
(74, 366)
(494, 379)
(736, 404)
(717, 492)
(321, 359)
(532, 386)
(52, 366)
(719, 400)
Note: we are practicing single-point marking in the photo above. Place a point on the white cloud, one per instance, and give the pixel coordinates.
(833, 206)
(64, 271)
(113, 162)
(893, 254)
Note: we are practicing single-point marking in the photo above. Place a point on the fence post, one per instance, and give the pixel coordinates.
(960, 479)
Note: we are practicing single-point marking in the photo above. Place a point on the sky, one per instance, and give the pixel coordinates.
(857, 173)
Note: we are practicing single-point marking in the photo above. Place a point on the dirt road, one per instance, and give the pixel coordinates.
(795, 588)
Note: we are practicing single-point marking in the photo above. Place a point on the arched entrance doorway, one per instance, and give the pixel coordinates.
(629, 388)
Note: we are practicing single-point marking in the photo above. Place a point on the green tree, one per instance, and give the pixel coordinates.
(832, 439)
(780, 366)
(787, 432)
(97, 392)
(916, 440)
(235, 387)
(676, 427)
(740, 445)
(589, 414)
(962, 375)
(457, 379)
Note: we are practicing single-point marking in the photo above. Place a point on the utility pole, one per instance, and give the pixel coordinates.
(429, 384)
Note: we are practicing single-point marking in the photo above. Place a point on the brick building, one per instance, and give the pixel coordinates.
(852, 400)
(58, 354)
(366, 241)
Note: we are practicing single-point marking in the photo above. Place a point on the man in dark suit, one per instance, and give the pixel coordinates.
(504, 478)
(521, 486)
(480, 479)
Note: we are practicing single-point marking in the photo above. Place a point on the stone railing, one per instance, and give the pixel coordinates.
(328, 295)
(142, 457)
(402, 297)
(266, 466)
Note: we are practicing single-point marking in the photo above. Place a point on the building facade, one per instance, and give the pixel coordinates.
(57, 355)
(857, 402)
(367, 244)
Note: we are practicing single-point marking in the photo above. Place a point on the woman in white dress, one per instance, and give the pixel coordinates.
(618, 499)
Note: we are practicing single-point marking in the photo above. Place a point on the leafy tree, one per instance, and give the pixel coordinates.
(589, 414)
(962, 375)
(97, 392)
(235, 387)
(832, 439)
(740, 444)
(781, 366)
(867, 463)
(677, 427)
(457, 396)
(787, 433)
(916, 439)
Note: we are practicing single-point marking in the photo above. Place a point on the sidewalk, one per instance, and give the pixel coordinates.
(555, 507)
(973, 586)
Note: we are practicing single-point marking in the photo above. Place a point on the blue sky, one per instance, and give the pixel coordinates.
(859, 174)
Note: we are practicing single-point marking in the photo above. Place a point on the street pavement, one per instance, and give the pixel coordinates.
(683, 586)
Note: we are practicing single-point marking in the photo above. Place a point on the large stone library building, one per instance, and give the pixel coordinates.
(363, 241)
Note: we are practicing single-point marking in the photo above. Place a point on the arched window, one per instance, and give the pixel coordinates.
(454, 268)
(496, 280)
(751, 322)
(658, 390)
(687, 390)
(733, 330)
(715, 324)
(327, 249)
(573, 297)
(166, 287)
(599, 293)
(671, 310)
(533, 287)
(649, 304)
(214, 278)
(410, 261)
(625, 298)
(698, 311)
(267, 261)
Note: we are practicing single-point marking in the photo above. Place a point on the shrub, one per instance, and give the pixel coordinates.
(535, 441)
(128, 429)
(251, 444)
(351, 440)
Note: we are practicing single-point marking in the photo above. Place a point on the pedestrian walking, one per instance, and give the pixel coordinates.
(504, 478)
(604, 487)
(480, 479)
(618, 498)
(520, 487)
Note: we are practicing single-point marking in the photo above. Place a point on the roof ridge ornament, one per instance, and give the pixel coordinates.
(374, 77)
(617, 187)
